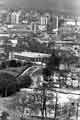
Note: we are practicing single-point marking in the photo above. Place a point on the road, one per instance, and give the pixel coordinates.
(31, 70)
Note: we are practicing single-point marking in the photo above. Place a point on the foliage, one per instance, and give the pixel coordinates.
(9, 84)
(24, 81)
(4, 115)
(29, 101)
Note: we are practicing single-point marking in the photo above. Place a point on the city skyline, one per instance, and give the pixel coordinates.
(59, 6)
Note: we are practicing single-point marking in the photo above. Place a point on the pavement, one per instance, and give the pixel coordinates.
(67, 91)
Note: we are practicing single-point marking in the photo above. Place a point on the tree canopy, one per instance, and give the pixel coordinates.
(9, 84)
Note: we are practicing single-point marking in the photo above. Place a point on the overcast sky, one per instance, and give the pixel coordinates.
(69, 6)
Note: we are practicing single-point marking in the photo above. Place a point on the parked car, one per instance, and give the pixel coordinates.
(14, 63)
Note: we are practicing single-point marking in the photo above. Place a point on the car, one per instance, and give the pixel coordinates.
(14, 63)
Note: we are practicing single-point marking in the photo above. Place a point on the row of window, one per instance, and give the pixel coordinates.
(38, 59)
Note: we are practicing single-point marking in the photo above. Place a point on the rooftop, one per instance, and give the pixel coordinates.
(32, 54)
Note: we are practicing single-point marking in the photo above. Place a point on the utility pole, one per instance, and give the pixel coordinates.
(77, 105)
